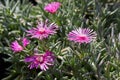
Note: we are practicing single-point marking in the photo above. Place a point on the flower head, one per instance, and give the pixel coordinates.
(43, 30)
(82, 35)
(25, 42)
(16, 47)
(41, 60)
(52, 7)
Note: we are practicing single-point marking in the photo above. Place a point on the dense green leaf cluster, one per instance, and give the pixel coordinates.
(98, 60)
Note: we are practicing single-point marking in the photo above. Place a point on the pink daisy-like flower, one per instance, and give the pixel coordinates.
(25, 42)
(52, 7)
(82, 35)
(43, 30)
(16, 47)
(41, 60)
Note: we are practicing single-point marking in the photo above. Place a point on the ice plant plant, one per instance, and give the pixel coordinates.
(16, 47)
(82, 35)
(43, 30)
(42, 61)
(52, 7)
(25, 42)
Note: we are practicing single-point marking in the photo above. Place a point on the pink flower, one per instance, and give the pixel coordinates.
(82, 35)
(25, 42)
(43, 30)
(16, 47)
(52, 7)
(41, 60)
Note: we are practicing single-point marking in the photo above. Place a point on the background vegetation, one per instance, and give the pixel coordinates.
(95, 61)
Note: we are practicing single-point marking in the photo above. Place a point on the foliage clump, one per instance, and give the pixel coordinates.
(81, 42)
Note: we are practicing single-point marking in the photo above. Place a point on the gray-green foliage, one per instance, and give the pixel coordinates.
(95, 61)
